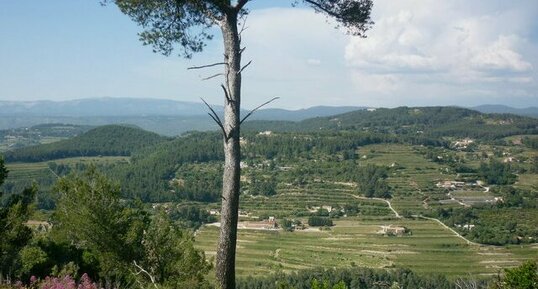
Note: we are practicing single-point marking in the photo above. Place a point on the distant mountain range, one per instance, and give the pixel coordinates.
(167, 117)
(302, 114)
(120, 107)
(107, 106)
(497, 108)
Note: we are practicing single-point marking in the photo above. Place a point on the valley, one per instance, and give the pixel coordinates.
(373, 171)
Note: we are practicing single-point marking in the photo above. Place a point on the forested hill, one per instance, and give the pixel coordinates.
(430, 121)
(109, 140)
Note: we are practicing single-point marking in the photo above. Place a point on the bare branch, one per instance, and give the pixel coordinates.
(243, 28)
(142, 270)
(215, 117)
(206, 66)
(243, 68)
(226, 95)
(242, 50)
(213, 111)
(260, 106)
(213, 76)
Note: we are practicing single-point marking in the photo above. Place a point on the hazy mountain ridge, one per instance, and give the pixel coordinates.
(498, 108)
(302, 114)
(171, 117)
(107, 106)
(167, 117)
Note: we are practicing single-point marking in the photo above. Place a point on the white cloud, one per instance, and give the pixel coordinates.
(501, 55)
(448, 48)
(419, 52)
(395, 44)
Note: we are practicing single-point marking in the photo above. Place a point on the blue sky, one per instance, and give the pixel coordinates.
(420, 52)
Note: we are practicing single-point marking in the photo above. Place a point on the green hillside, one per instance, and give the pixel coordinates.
(298, 171)
(426, 121)
(110, 140)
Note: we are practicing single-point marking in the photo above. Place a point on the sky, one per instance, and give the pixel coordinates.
(418, 53)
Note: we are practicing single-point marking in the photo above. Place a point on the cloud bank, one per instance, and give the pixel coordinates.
(419, 52)
(447, 52)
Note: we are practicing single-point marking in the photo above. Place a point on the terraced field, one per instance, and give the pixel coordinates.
(528, 181)
(30, 172)
(291, 201)
(414, 180)
(27, 171)
(353, 241)
(356, 242)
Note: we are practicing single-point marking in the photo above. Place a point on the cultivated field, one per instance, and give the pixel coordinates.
(355, 241)
(429, 248)
(29, 172)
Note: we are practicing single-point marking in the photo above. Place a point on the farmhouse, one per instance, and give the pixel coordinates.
(393, 230)
(450, 184)
(269, 224)
(463, 144)
(328, 208)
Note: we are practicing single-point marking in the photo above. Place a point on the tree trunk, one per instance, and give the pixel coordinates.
(225, 265)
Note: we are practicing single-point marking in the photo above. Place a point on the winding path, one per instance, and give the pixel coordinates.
(380, 199)
(422, 217)
(390, 206)
(450, 229)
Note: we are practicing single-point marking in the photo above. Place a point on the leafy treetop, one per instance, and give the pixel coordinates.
(188, 22)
